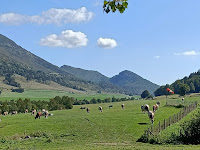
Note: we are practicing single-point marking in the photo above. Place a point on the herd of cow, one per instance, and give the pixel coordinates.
(151, 115)
(43, 112)
(144, 108)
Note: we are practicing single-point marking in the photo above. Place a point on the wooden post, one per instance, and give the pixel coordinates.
(181, 114)
(159, 127)
(178, 116)
(170, 121)
(164, 124)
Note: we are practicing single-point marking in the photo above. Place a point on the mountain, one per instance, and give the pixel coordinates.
(87, 75)
(133, 83)
(129, 82)
(16, 60)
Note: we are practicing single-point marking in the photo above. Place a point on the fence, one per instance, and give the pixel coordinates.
(171, 120)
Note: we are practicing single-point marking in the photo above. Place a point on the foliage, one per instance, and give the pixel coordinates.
(190, 84)
(145, 94)
(57, 103)
(114, 5)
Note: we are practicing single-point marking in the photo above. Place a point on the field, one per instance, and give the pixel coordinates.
(114, 128)
(48, 94)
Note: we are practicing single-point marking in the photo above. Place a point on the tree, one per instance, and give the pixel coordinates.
(145, 94)
(184, 88)
(114, 5)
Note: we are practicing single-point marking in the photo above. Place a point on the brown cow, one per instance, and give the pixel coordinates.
(155, 107)
(38, 115)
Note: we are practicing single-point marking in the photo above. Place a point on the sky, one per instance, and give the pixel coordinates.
(156, 39)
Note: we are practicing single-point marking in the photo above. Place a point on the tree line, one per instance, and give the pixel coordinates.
(190, 84)
(20, 105)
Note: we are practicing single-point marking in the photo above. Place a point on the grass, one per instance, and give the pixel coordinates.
(48, 94)
(114, 128)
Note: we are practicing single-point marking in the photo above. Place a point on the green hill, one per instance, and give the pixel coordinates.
(133, 83)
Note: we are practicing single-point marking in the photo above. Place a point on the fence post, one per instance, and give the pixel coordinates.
(148, 132)
(178, 116)
(159, 127)
(170, 121)
(164, 124)
(181, 114)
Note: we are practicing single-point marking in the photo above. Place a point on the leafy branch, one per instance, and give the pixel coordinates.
(114, 5)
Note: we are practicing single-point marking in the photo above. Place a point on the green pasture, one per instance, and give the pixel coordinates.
(48, 94)
(75, 129)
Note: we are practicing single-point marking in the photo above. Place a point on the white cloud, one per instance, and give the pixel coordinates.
(51, 16)
(106, 43)
(156, 57)
(188, 53)
(68, 39)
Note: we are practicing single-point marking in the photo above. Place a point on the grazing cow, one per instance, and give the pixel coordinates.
(38, 115)
(145, 108)
(82, 107)
(33, 112)
(46, 114)
(158, 103)
(88, 110)
(151, 116)
(122, 106)
(155, 107)
(26, 111)
(183, 99)
(110, 106)
(5, 113)
(14, 113)
(100, 109)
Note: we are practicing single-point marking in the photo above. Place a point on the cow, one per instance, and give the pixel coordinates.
(110, 106)
(100, 109)
(151, 116)
(183, 99)
(5, 113)
(46, 114)
(122, 105)
(26, 111)
(14, 113)
(158, 103)
(43, 110)
(145, 108)
(33, 112)
(38, 115)
(82, 107)
(155, 107)
(88, 110)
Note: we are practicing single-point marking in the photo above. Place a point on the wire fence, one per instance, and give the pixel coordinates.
(171, 120)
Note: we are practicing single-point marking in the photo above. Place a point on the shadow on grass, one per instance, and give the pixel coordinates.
(142, 123)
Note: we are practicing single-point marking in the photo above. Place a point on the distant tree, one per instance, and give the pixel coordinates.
(113, 5)
(145, 94)
(192, 87)
(184, 88)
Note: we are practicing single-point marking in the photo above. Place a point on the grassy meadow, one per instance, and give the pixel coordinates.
(73, 129)
(48, 94)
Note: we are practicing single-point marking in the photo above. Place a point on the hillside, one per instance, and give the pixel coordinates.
(133, 82)
(87, 75)
(189, 84)
(16, 60)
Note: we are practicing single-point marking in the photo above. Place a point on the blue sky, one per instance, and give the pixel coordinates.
(157, 39)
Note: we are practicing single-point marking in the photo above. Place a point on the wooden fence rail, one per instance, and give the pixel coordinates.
(171, 120)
